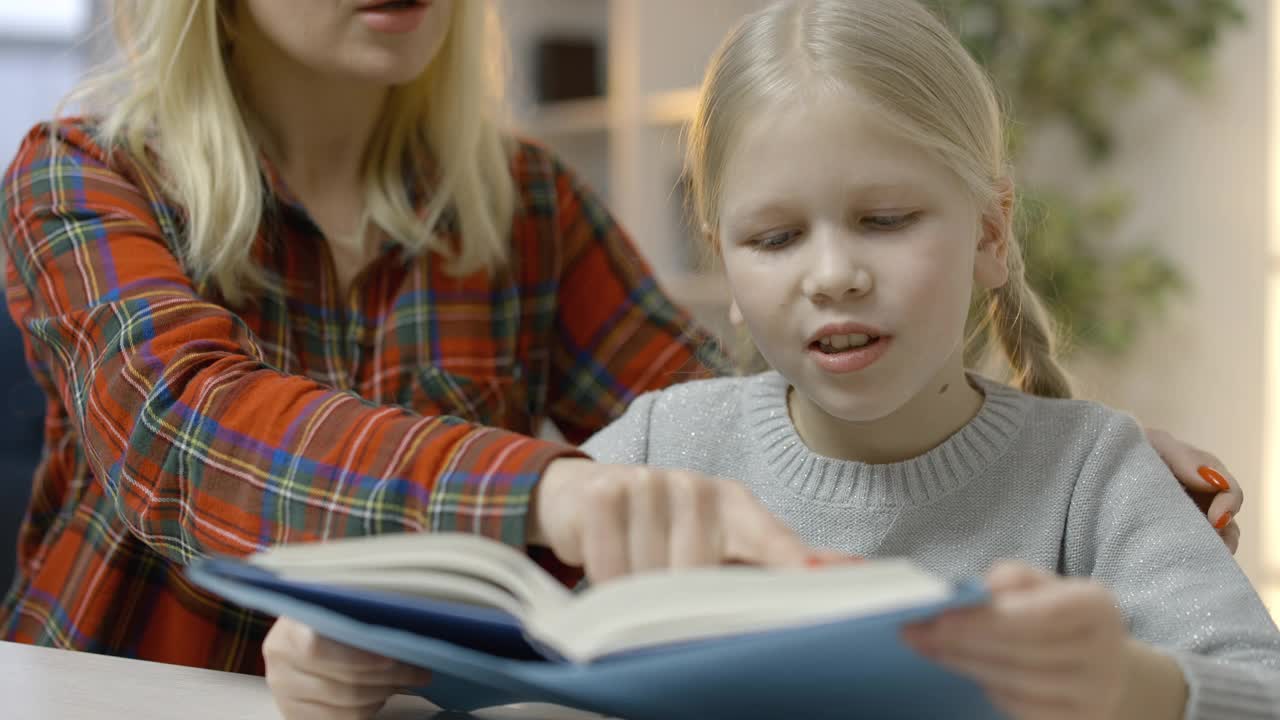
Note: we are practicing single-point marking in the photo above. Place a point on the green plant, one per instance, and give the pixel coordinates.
(1073, 62)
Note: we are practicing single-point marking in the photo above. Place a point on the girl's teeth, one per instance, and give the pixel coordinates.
(836, 343)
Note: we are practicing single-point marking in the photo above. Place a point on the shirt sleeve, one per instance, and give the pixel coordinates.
(1133, 528)
(202, 446)
(618, 334)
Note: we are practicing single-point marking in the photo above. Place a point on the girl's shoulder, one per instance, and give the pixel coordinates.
(710, 389)
(1072, 425)
(710, 402)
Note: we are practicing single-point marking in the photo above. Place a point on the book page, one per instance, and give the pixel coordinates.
(485, 571)
(446, 586)
(660, 608)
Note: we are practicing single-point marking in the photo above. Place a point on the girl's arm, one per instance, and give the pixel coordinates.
(1159, 621)
(1048, 648)
(1154, 687)
(1133, 530)
(1054, 648)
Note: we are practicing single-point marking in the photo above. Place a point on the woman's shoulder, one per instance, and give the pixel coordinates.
(552, 200)
(71, 137)
(533, 163)
(71, 152)
(542, 174)
(64, 168)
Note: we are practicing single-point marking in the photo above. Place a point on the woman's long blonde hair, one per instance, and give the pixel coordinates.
(901, 59)
(174, 111)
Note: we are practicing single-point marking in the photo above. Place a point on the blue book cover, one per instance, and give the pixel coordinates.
(850, 668)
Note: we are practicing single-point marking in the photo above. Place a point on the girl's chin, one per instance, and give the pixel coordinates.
(847, 407)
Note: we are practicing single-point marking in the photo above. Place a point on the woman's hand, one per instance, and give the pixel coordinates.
(313, 678)
(610, 519)
(617, 519)
(1044, 647)
(1206, 480)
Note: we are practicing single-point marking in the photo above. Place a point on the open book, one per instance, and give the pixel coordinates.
(629, 613)
(497, 628)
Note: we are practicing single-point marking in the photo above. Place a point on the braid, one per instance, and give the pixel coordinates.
(1019, 322)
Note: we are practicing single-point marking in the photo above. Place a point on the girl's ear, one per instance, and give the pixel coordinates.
(710, 239)
(991, 263)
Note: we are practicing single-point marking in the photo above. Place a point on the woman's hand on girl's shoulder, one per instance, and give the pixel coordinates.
(1207, 480)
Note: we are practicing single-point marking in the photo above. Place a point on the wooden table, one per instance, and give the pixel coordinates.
(44, 684)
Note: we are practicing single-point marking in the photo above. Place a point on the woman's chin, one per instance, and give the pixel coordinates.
(379, 66)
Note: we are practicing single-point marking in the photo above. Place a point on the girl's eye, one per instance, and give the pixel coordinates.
(888, 222)
(773, 241)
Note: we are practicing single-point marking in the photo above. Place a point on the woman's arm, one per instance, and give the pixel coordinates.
(203, 446)
(617, 335)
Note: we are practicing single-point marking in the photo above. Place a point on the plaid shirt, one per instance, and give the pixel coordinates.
(178, 428)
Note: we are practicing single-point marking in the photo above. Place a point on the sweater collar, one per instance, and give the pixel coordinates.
(960, 459)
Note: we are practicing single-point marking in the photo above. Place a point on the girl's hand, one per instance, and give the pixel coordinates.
(314, 678)
(617, 519)
(1045, 647)
(1207, 480)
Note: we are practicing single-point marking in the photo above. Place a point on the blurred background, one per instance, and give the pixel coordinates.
(1147, 143)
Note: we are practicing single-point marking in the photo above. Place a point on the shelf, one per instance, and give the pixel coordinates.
(565, 117)
(591, 115)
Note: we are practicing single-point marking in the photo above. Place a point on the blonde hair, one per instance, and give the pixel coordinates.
(174, 111)
(904, 62)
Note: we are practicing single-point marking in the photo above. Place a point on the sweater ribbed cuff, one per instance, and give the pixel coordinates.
(1228, 691)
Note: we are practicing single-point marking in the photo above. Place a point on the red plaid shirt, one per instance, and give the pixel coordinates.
(178, 428)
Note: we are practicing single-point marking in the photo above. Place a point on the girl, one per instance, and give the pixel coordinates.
(848, 168)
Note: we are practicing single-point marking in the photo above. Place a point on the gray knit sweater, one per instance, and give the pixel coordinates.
(1068, 486)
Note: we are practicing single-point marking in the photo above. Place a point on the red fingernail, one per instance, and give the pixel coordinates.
(814, 561)
(1214, 478)
(1224, 520)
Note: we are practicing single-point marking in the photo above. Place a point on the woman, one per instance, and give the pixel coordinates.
(295, 283)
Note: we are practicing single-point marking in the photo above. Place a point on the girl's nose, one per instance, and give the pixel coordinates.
(836, 272)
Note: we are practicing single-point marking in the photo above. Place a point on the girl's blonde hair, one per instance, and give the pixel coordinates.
(905, 63)
(175, 111)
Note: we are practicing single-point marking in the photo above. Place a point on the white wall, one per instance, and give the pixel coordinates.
(1197, 166)
(33, 78)
(40, 60)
